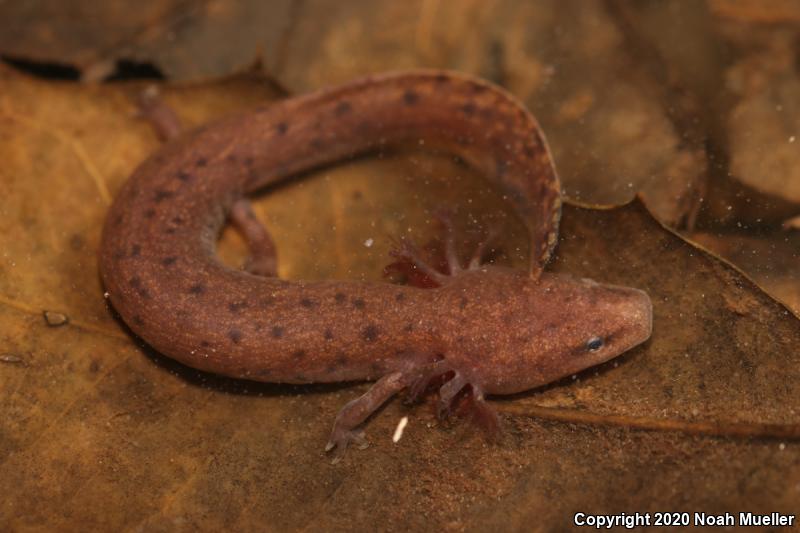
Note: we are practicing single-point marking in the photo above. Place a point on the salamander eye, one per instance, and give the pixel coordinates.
(594, 344)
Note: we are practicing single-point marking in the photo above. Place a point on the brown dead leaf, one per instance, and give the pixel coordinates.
(756, 183)
(764, 137)
(612, 129)
(183, 39)
(761, 11)
(770, 258)
(98, 432)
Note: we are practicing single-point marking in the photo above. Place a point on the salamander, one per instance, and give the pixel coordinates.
(483, 329)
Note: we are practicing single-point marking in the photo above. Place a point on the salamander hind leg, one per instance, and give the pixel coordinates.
(445, 218)
(438, 261)
(410, 261)
(484, 248)
(263, 260)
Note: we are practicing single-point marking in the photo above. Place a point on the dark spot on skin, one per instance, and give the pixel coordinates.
(184, 176)
(442, 78)
(343, 108)
(358, 303)
(376, 368)
(281, 128)
(205, 344)
(117, 220)
(201, 162)
(468, 108)
(299, 354)
(410, 97)
(328, 334)
(358, 195)
(137, 320)
(307, 302)
(235, 335)
(235, 307)
(478, 88)
(409, 327)
(317, 143)
(230, 158)
(177, 221)
(399, 297)
(169, 231)
(339, 362)
(340, 297)
(461, 339)
(277, 332)
(136, 283)
(136, 250)
(264, 373)
(161, 195)
(370, 333)
(463, 303)
(119, 254)
(167, 261)
(198, 288)
(94, 366)
(149, 213)
(248, 162)
(528, 151)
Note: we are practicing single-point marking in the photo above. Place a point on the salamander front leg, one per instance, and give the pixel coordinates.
(357, 411)
(263, 260)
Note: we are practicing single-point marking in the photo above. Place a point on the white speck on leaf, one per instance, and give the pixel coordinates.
(398, 432)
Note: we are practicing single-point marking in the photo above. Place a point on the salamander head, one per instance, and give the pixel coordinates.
(557, 326)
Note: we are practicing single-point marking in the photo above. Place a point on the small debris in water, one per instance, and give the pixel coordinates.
(398, 432)
(55, 319)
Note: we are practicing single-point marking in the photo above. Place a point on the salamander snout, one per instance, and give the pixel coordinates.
(578, 323)
(616, 320)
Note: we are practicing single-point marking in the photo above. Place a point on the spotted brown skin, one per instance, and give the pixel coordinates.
(495, 330)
